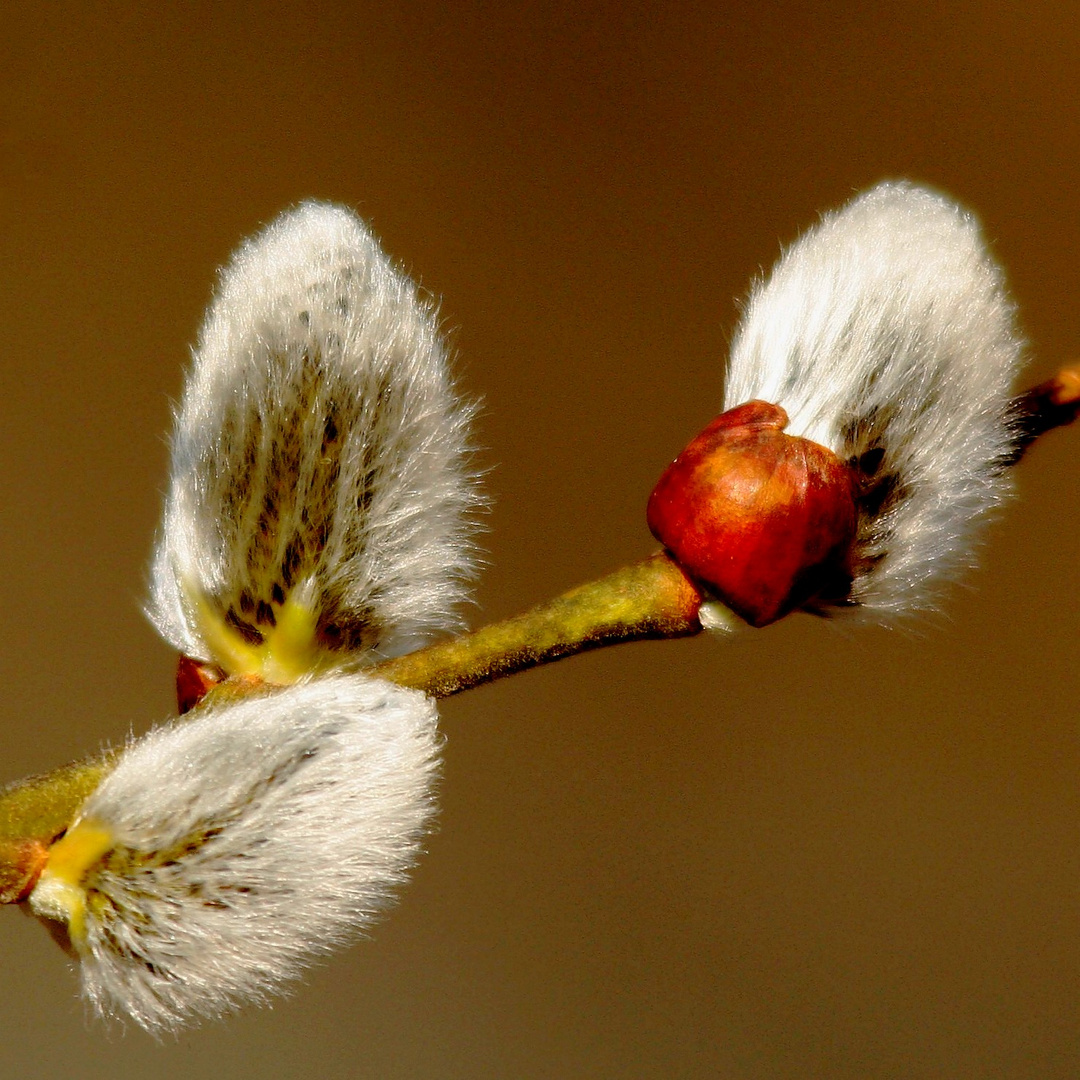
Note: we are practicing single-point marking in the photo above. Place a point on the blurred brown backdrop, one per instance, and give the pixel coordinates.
(821, 852)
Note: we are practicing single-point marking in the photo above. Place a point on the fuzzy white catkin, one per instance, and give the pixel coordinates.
(887, 335)
(245, 843)
(320, 454)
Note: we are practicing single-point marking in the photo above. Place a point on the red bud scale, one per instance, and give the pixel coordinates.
(765, 520)
(194, 680)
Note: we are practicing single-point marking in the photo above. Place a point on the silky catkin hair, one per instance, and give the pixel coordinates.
(887, 335)
(320, 457)
(225, 853)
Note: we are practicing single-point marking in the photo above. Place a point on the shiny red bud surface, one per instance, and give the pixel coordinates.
(764, 519)
(194, 680)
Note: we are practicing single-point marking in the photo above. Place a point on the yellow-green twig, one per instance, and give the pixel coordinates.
(650, 599)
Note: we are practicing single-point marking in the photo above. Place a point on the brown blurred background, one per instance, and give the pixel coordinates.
(819, 852)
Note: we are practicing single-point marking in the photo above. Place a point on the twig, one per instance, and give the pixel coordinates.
(650, 599)
(1051, 404)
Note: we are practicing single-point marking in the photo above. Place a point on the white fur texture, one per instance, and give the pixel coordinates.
(250, 840)
(887, 335)
(320, 451)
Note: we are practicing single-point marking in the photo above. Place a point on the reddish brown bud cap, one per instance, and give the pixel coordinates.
(194, 680)
(765, 520)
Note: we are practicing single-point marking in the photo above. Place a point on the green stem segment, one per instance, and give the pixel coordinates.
(651, 599)
(34, 812)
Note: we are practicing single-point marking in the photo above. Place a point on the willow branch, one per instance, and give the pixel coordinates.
(1051, 404)
(33, 812)
(650, 599)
